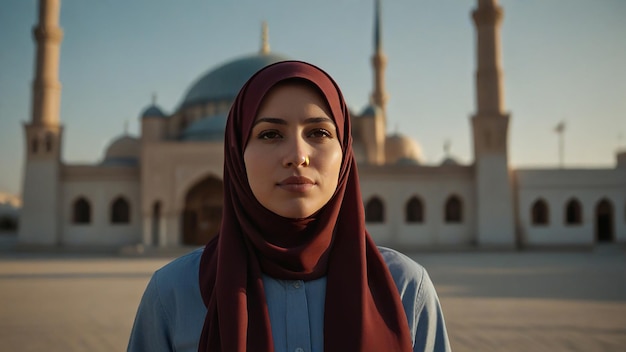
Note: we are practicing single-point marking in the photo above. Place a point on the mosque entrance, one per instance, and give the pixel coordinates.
(156, 223)
(604, 221)
(203, 212)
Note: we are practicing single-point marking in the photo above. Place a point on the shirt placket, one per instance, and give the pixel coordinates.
(298, 331)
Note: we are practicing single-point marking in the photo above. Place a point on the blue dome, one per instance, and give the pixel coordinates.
(371, 110)
(224, 82)
(152, 111)
(206, 129)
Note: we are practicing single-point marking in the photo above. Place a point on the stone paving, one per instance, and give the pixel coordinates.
(517, 301)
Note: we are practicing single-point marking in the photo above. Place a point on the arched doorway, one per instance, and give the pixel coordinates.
(203, 211)
(156, 223)
(604, 221)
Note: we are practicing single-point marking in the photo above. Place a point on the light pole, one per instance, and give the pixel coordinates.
(560, 129)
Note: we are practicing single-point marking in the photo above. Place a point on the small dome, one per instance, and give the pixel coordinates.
(371, 111)
(407, 161)
(125, 150)
(401, 149)
(152, 111)
(224, 82)
(449, 161)
(206, 129)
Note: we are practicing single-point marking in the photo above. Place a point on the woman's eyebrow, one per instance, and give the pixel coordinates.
(279, 121)
(318, 120)
(274, 120)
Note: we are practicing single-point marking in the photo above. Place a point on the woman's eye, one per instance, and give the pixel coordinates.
(320, 133)
(269, 135)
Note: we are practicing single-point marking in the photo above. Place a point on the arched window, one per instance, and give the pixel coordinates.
(81, 211)
(540, 214)
(414, 211)
(453, 210)
(8, 223)
(182, 124)
(573, 212)
(48, 142)
(156, 222)
(120, 211)
(34, 145)
(374, 211)
(604, 221)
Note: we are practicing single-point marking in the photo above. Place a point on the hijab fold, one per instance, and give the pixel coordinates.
(363, 310)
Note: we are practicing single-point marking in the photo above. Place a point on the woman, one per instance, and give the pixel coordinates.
(293, 267)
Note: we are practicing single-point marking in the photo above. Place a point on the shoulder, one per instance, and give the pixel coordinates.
(419, 300)
(403, 269)
(181, 266)
(411, 279)
(171, 311)
(178, 278)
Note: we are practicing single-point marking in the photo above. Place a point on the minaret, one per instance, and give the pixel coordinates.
(379, 61)
(495, 208)
(265, 39)
(40, 215)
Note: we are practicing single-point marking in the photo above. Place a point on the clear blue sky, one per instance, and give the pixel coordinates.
(563, 60)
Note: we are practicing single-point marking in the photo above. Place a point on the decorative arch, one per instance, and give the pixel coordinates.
(604, 219)
(48, 142)
(202, 214)
(81, 211)
(573, 212)
(414, 210)
(156, 223)
(540, 214)
(120, 211)
(453, 211)
(34, 145)
(375, 210)
(8, 223)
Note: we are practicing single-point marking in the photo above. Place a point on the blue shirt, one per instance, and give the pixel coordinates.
(171, 314)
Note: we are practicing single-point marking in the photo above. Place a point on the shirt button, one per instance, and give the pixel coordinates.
(299, 349)
(297, 285)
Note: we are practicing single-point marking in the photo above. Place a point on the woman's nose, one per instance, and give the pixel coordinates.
(298, 159)
(297, 155)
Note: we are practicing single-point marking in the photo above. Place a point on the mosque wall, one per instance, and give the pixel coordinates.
(434, 186)
(557, 189)
(100, 187)
(169, 171)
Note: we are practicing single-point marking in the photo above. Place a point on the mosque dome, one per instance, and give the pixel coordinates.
(152, 111)
(371, 111)
(400, 149)
(449, 161)
(206, 129)
(124, 150)
(224, 82)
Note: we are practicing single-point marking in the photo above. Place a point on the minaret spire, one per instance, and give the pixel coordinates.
(378, 47)
(490, 125)
(46, 85)
(40, 217)
(379, 62)
(489, 87)
(265, 39)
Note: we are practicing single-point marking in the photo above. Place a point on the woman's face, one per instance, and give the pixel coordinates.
(293, 155)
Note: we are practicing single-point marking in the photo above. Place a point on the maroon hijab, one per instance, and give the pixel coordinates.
(363, 310)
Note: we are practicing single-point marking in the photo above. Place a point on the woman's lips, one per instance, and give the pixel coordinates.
(296, 184)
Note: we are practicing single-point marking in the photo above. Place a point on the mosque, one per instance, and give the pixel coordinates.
(164, 187)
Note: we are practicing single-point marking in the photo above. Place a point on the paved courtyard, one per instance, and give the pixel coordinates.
(517, 301)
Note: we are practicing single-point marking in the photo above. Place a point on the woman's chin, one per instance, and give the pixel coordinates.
(294, 212)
